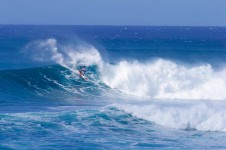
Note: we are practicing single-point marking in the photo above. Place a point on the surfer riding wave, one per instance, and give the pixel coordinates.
(82, 72)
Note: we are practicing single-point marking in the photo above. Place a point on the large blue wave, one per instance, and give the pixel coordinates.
(152, 79)
(54, 82)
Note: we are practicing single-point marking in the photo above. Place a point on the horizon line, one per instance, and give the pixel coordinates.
(110, 25)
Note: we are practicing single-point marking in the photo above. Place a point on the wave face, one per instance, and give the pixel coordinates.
(51, 82)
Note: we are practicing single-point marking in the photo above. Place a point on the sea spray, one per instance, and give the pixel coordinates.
(67, 56)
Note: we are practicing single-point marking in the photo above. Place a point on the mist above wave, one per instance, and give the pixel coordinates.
(69, 56)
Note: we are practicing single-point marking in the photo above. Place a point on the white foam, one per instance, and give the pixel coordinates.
(163, 79)
(200, 116)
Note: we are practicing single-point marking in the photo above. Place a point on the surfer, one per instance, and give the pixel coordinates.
(82, 70)
(82, 73)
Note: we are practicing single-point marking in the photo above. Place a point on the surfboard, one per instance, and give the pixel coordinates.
(82, 75)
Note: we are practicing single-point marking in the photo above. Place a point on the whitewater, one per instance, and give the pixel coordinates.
(135, 98)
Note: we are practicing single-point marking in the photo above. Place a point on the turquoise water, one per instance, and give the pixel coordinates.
(148, 88)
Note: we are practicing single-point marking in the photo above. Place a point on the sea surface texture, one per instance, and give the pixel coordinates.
(147, 88)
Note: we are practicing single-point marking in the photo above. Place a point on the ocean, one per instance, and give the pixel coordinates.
(148, 87)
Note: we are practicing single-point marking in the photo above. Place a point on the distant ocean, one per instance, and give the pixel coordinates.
(148, 88)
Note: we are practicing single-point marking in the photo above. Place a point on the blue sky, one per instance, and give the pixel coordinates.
(114, 12)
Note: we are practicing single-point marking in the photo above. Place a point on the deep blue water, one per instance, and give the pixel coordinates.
(148, 87)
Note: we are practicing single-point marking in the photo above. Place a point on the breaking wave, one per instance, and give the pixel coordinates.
(156, 79)
(164, 90)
